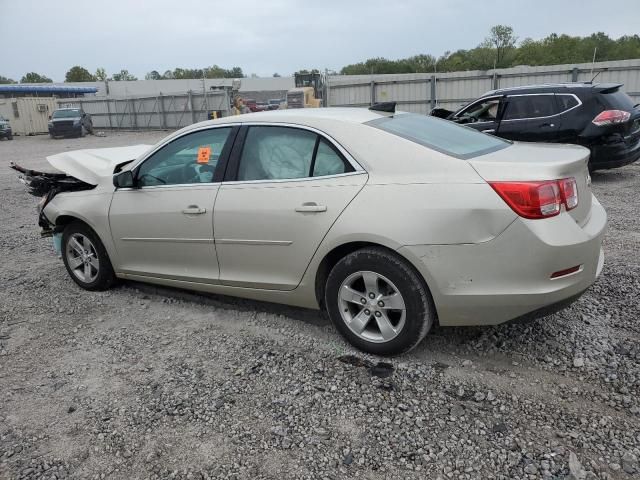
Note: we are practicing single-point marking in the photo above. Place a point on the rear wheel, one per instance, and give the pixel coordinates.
(378, 302)
(85, 258)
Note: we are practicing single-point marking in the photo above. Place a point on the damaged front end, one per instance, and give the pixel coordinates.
(47, 185)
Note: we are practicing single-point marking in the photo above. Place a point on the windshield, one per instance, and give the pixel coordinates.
(440, 135)
(74, 113)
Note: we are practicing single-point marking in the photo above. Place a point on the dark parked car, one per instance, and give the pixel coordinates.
(5, 129)
(600, 117)
(70, 122)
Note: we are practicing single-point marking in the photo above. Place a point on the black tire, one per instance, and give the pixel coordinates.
(10, 137)
(83, 132)
(105, 275)
(419, 310)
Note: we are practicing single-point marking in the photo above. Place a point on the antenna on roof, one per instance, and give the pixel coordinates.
(595, 49)
(387, 107)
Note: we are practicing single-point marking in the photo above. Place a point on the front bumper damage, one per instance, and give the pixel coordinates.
(47, 185)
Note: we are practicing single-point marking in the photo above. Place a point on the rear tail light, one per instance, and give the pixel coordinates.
(611, 117)
(569, 190)
(535, 200)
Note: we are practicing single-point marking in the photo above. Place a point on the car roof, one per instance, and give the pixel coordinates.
(569, 87)
(303, 116)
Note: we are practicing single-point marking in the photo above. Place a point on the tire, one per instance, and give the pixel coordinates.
(83, 131)
(90, 129)
(53, 137)
(93, 272)
(385, 273)
(10, 137)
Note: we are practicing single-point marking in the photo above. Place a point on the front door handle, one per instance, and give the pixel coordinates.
(490, 130)
(311, 207)
(194, 210)
(547, 125)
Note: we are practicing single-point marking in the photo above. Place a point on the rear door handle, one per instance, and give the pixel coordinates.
(311, 207)
(194, 210)
(490, 130)
(547, 125)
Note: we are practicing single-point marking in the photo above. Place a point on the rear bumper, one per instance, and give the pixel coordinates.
(509, 277)
(614, 155)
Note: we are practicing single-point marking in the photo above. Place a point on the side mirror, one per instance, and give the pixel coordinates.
(49, 117)
(124, 180)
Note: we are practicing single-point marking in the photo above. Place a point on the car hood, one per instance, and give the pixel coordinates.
(94, 164)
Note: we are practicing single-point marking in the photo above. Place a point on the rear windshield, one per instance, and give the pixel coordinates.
(441, 135)
(66, 114)
(618, 100)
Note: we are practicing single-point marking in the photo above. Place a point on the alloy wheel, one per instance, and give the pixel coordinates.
(372, 306)
(82, 258)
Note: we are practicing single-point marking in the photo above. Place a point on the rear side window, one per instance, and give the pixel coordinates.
(281, 153)
(529, 106)
(565, 102)
(440, 135)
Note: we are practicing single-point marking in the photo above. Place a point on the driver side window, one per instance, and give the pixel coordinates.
(189, 159)
(484, 111)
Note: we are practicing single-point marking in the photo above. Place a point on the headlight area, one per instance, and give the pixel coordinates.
(46, 186)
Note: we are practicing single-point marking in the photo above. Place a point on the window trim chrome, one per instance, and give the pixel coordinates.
(352, 161)
(540, 95)
(358, 169)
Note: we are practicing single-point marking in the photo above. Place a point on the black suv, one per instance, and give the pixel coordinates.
(598, 116)
(70, 121)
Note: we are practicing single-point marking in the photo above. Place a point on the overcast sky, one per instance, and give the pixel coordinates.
(267, 36)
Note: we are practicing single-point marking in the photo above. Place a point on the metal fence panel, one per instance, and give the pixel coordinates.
(412, 91)
(157, 112)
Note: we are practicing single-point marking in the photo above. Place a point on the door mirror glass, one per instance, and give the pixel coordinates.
(124, 179)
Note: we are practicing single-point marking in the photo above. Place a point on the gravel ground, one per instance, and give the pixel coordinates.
(146, 382)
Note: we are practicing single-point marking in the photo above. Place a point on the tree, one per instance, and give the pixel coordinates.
(276, 75)
(79, 74)
(4, 80)
(503, 41)
(33, 77)
(153, 75)
(101, 74)
(122, 76)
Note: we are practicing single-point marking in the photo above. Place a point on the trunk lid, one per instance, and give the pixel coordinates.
(537, 161)
(91, 165)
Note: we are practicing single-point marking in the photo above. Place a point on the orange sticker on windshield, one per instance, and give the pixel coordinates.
(204, 153)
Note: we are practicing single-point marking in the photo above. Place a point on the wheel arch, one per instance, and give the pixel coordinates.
(340, 251)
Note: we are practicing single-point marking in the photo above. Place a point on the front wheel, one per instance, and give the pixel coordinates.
(83, 131)
(85, 258)
(378, 302)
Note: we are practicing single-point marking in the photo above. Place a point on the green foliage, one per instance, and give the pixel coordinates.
(190, 73)
(122, 76)
(501, 47)
(79, 74)
(5, 80)
(33, 77)
(101, 74)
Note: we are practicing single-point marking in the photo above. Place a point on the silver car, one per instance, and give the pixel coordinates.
(388, 221)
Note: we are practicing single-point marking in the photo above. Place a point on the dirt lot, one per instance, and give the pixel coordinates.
(142, 382)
